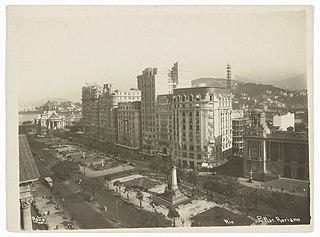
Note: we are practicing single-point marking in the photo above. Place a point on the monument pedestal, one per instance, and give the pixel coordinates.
(172, 197)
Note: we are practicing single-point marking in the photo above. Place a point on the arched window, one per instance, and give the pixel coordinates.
(198, 97)
(178, 98)
(211, 97)
(190, 97)
(184, 98)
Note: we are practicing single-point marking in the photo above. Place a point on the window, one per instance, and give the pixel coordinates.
(199, 156)
(191, 147)
(211, 97)
(191, 155)
(184, 98)
(198, 98)
(197, 113)
(190, 97)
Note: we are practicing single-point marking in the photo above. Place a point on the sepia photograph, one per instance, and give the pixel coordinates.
(184, 118)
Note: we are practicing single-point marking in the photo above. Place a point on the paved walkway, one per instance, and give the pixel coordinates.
(91, 173)
(186, 211)
(57, 216)
(295, 187)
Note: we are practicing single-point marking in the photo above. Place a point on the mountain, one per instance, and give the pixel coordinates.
(36, 103)
(298, 82)
(214, 82)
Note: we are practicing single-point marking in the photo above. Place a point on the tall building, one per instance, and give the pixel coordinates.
(90, 107)
(202, 126)
(238, 126)
(153, 82)
(164, 123)
(108, 108)
(129, 125)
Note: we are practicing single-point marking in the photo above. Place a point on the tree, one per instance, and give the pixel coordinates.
(92, 185)
(117, 184)
(173, 214)
(153, 219)
(139, 196)
(65, 169)
(107, 178)
(74, 218)
(278, 200)
(127, 190)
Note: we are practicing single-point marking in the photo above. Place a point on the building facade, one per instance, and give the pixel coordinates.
(49, 119)
(164, 123)
(90, 107)
(238, 126)
(273, 154)
(153, 82)
(202, 126)
(100, 110)
(129, 125)
(108, 108)
(280, 154)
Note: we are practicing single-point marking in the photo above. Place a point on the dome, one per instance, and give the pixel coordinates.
(49, 106)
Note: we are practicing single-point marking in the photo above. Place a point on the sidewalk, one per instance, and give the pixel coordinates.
(57, 217)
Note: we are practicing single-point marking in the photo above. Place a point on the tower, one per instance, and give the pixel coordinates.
(228, 76)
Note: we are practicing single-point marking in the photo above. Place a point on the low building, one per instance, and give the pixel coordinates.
(283, 122)
(129, 125)
(28, 173)
(49, 119)
(280, 154)
(269, 155)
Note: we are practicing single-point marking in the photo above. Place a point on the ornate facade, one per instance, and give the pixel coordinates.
(202, 126)
(49, 119)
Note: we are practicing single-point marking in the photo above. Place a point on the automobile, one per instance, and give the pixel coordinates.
(132, 164)
(40, 136)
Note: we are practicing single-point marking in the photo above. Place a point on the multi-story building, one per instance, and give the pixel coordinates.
(238, 126)
(100, 110)
(108, 109)
(164, 123)
(90, 106)
(129, 125)
(268, 155)
(202, 126)
(153, 82)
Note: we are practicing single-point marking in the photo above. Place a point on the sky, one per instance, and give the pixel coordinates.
(56, 50)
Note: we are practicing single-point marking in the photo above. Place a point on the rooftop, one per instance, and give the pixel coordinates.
(28, 170)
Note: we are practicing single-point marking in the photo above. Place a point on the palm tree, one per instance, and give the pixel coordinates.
(107, 178)
(117, 183)
(173, 214)
(140, 197)
(127, 190)
(74, 217)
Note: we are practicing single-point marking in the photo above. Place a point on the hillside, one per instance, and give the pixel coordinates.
(214, 82)
(298, 82)
(251, 95)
